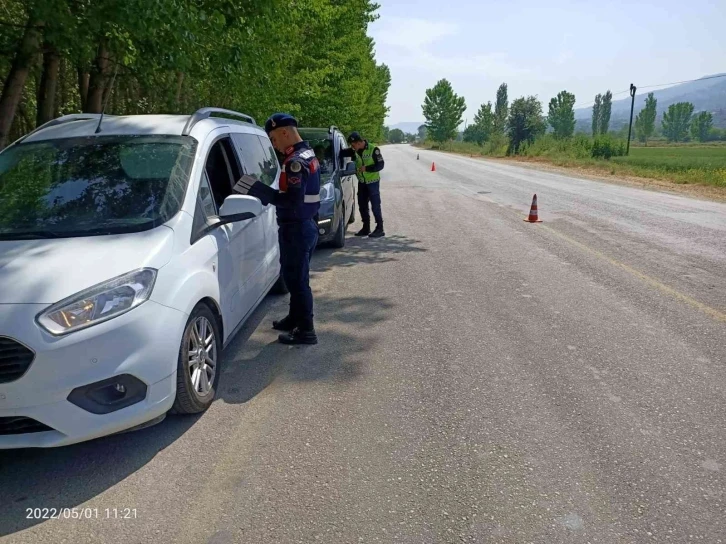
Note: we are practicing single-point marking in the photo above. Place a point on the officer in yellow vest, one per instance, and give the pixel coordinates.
(369, 161)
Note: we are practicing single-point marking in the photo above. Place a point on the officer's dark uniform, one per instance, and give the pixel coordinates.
(369, 186)
(297, 203)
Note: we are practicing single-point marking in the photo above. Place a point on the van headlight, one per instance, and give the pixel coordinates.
(327, 192)
(99, 303)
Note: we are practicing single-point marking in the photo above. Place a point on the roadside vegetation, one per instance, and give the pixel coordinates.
(686, 148)
(311, 58)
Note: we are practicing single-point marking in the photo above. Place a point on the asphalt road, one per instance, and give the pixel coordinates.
(479, 379)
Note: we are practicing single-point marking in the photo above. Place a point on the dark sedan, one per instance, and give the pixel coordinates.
(337, 184)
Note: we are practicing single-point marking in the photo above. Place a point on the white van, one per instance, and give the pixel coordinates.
(127, 262)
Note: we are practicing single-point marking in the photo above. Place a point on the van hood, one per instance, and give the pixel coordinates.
(49, 270)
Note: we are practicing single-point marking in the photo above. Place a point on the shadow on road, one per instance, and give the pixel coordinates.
(365, 251)
(70, 476)
(254, 363)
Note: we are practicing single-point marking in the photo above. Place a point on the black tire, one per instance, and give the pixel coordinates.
(339, 240)
(190, 399)
(352, 213)
(279, 287)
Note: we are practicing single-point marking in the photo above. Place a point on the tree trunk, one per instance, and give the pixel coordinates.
(83, 78)
(48, 85)
(25, 56)
(61, 96)
(97, 82)
(179, 85)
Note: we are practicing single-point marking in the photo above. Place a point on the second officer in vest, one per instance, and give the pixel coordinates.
(369, 161)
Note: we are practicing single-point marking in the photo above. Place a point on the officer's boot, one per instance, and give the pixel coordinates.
(299, 336)
(378, 232)
(365, 231)
(287, 323)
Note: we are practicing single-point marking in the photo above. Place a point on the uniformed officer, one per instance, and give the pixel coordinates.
(369, 161)
(297, 203)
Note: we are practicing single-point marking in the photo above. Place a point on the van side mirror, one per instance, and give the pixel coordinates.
(239, 208)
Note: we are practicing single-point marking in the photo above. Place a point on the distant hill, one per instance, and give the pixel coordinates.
(408, 127)
(704, 94)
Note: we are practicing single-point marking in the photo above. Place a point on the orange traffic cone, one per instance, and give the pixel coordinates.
(433, 167)
(533, 216)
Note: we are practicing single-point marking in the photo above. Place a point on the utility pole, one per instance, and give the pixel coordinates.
(632, 106)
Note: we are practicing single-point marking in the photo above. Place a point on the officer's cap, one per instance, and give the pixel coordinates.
(354, 137)
(278, 120)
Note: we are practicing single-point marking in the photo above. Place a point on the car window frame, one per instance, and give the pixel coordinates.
(209, 223)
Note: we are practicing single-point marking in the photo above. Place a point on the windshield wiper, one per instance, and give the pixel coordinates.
(32, 235)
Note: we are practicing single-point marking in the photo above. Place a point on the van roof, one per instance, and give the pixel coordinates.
(84, 125)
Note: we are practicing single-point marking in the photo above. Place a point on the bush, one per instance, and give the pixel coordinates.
(605, 147)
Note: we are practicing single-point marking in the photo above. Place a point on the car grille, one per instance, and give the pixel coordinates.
(15, 359)
(21, 425)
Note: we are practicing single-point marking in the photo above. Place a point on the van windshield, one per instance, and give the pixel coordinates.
(92, 185)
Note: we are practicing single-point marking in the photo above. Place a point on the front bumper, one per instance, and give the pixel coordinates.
(142, 344)
(326, 228)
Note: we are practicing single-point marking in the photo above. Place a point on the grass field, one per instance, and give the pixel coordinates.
(687, 164)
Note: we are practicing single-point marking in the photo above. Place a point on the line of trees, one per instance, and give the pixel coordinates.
(520, 124)
(312, 58)
(499, 125)
(678, 122)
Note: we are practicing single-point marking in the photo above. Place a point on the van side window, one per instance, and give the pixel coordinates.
(258, 161)
(222, 170)
(206, 209)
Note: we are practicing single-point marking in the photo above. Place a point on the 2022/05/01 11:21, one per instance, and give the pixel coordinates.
(80, 513)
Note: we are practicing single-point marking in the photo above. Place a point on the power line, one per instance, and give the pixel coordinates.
(679, 82)
(586, 104)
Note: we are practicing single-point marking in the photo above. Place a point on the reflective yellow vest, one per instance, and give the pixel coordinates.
(367, 160)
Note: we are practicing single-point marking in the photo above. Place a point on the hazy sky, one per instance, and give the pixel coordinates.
(542, 47)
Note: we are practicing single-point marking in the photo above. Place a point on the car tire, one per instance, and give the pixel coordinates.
(279, 287)
(352, 213)
(339, 240)
(197, 379)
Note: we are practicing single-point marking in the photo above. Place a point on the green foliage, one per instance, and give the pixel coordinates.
(645, 120)
(422, 132)
(561, 115)
(701, 126)
(481, 130)
(396, 136)
(501, 110)
(525, 122)
(174, 56)
(605, 147)
(605, 111)
(472, 134)
(601, 111)
(596, 107)
(443, 109)
(579, 146)
(677, 121)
